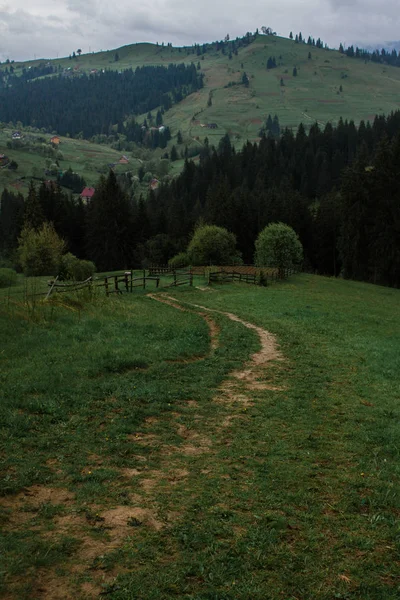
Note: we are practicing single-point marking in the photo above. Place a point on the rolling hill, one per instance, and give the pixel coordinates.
(328, 85)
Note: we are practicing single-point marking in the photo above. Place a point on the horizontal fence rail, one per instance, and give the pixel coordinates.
(157, 276)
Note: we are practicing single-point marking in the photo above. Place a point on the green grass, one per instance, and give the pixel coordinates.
(85, 158)
(294, 495)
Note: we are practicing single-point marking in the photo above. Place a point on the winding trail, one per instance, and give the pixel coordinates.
(155, 482)
(253, 370)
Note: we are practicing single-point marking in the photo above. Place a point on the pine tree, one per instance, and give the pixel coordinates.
(109, 226)
(33, 213)
(159, 119)
(11, 221)
(174, 154)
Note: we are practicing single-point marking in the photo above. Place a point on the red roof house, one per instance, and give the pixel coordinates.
(87, 193)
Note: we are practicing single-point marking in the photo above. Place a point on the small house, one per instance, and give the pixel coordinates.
(87, 193)
(16, 135)
(124, 160)
(55, 140)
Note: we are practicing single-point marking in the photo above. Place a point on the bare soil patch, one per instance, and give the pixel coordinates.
(37, 495)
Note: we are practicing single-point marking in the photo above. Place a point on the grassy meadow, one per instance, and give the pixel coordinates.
(87, 159)
(146, 455)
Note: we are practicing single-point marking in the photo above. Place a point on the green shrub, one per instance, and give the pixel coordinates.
(212, 245)
(74, 268)
(278, 246)
(179, 260)
(7, 277)
(40, 251)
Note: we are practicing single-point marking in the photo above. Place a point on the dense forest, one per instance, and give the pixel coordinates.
(98, 103)
(337, 187)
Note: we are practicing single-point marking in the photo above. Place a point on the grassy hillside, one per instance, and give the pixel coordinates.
(314, 95)
(146, 454)
(85, 158)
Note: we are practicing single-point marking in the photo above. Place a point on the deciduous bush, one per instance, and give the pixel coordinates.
(179, 260)
(278, 246)
(40, 251)
(74, 268)
(213, 245)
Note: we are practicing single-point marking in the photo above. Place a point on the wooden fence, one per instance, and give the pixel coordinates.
(248, 274)
(117, 284)
(181, 278)
(127, 282)
(224, 276)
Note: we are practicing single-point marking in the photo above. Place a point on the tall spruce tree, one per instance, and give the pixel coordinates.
(33, 212)
(109, 226)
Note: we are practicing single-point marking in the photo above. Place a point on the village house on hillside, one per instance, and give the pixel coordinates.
(55, 140)
(87, 193)
(124, 160)
(16, 135)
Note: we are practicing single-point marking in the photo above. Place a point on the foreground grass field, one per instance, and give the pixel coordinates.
(146, 455)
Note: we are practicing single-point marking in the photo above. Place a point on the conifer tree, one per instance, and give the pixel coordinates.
(33, 213)
(109, 226)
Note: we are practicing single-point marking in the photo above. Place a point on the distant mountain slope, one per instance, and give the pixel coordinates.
(308, 84)
(328, 84)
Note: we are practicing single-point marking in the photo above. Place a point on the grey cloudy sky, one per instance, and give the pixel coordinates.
(51, 28)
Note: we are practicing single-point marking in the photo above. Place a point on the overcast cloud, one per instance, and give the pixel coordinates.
(54, 28)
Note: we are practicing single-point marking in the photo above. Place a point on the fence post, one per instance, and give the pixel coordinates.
(175, 278)
(144, 278)
(126, 281)
(106, 285)
(158, 281)
(116, 283)
(51, 289)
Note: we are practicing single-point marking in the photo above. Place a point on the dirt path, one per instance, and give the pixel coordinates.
(253, 372)
(176, 469)
(212, 326)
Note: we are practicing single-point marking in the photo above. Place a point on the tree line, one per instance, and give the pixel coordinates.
(97, 103)
(337, 187)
